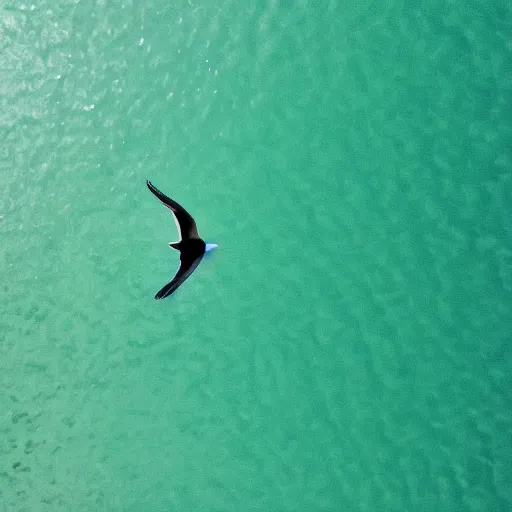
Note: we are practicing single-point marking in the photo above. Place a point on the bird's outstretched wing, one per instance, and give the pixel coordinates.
(184, 222)
(186, 268)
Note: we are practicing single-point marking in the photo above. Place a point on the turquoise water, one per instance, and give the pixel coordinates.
(347, 347)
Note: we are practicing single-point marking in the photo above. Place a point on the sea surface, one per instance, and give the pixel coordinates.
(348, 345)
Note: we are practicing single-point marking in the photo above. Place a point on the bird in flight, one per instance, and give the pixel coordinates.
(192, 248)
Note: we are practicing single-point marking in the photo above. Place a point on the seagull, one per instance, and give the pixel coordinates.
(192, 248)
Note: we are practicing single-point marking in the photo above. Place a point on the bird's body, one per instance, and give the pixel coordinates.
(192, 248)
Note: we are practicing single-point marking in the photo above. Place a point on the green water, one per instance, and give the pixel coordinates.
(347, 347)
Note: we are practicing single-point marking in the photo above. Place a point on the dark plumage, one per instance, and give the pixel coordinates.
(192, 248)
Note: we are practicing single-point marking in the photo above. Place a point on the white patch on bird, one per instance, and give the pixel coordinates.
(177, 225)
